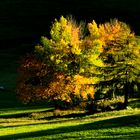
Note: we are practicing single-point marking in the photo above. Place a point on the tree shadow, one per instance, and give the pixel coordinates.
(125, 121)
(72, 115)
(22, 114)
(135, 103)
(19, 115)
(53, 119)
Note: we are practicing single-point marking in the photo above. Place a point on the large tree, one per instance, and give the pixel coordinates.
(69, 58)
(121, 57)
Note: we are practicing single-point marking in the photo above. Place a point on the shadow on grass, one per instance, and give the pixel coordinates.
(135, 103)
(51, 119)
(125, 121)
(72, 115)
(47, 111)
(18, 113)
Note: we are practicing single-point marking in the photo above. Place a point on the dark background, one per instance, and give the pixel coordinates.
(22, 22)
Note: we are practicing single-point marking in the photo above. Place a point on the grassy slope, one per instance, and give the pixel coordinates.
(8, 66)
(9, 62)
(123, 124)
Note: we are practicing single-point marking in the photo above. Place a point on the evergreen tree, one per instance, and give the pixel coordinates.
(121, 57)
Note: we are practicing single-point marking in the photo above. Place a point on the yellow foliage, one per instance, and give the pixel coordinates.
(82, 80)
(39, 49)
(93, 29)
(66, 36)
(62, 87)
(114, 30)
(83, 86)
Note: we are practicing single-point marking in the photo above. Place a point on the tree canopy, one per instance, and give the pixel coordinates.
(120, 57)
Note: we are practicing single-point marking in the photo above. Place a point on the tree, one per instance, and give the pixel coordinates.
(65, 58)
(121, 57)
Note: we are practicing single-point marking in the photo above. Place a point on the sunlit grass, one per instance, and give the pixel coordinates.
(22, 110)
(116, 124)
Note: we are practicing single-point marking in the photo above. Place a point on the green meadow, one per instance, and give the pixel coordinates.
(40, 123)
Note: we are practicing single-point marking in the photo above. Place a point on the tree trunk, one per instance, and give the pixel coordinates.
(126, 100)
(126, 91)
(126, 95)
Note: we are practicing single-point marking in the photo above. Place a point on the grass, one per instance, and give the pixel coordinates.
(39, 122)
(9, 63)
(123, 124)
(8, 69)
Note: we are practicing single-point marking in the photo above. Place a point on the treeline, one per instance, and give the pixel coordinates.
(80, 64)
